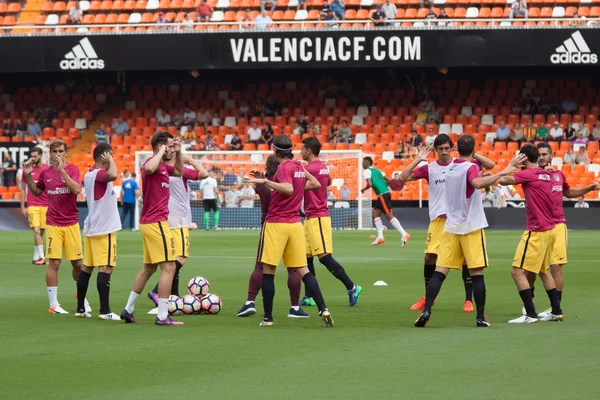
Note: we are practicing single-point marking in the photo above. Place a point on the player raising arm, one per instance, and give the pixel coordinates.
(377, 180)
(283, 236)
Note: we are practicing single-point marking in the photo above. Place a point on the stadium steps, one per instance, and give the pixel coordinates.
(29, 13)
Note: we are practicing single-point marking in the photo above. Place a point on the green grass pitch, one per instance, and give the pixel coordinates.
(374, 352)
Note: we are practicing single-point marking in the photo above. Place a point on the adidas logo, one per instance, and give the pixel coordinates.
(82, 56)
(574, 51)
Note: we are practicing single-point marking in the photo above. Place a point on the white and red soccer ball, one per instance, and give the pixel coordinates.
(175, 305)
(191, 304)
(211, 304)
(198, 286)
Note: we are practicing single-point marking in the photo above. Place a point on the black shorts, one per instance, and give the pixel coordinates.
(383, 203)
(210, 204)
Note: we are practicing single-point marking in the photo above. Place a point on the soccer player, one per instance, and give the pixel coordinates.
(157, 240)
(317, 224)
(294, 282)
(377, 180)
(434, 174)
(180, 218)
(534, 251)
(210, 196)
(131, 192)
(560, 188)
(62, 184)
(464, 236)
(282, 236)
(37, 206)
(99, 232)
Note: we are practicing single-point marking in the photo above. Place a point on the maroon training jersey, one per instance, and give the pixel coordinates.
(156, 194)
(32, 200)
(284, 208)
(264, 194)
(189, 175)
(559, 185)
(62, 204)
(315, 201)
(537, 186)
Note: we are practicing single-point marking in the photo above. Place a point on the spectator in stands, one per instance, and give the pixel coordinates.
(330, 19)
(247, 20)
(434, 116)
(416, 141)
(178, 119)
(254, 133)
(487, 198)
(443, 15)
(542, 133)
(570, 157)
(389, 10)
(188, 23)
(502, 133)
(131, 192)
(401, 151)
(9, 170)
(516, 134)
(244, 111)
(596, 131)
(582, 157)
(530, 131)
(556, 133)
(421, 115)
(216, 120)
(271, 3)
(529, 106)
(267, 135)
(330, 195)
(162, 21)
(427, 103)
(232, 198)
(583, 134)
(378, 17)
(339, 8)
(430, 137)
(247, 196)
(324, 11)
(20, 128)
(230, 179)
(33, 128)
(263, 20)
(345, 134)
(519, 7)
(205, 11)
(517, 108)
(204, 117)
(569, 106)
(120, 127)
(75, 15)
(210, 144)
(333, 133)
(301, 125)
(189, 117)
(272, 108)
(543, 106)
(163, 118)
(570, 132)
(581, 203)
(102, 135)
(189, 135)
(301, 5)
(236, 142)
(345, 192)
(259, 107)
(431, 15)
(8, 128)
(313, 129)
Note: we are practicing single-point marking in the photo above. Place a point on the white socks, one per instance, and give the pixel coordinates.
(396, 224)
(35, 253)
(40, 252)
(249, 302)
(379, 227)
(53, 295)
(163, 309)
(296, 308)
(131, 302)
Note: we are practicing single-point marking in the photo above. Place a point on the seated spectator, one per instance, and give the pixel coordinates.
(333, 133)
(530, 132)
(345, 192)
(581, 203)
(583, 134)
(230, 179)
(163, 118)
(247, 196)
(301, 125)
(389, 10)
(378, 17)
(542, 133)
(120, 127)
(102, 135)
(301, 5)
(190, 134)
(33, 128)
(187, 23)
(178, 119)
(8, 128)
(247, 20)
(421, 115)
(556, 133)
(211, 143)
(267, 134)
(272, 108)
(271, 3)
(162, 21)
(434, 116)
(517, 108)
(254, 133)
(262, 22)
(569, 106)
(430, 137)
(543, 106)
(330, 195)
(330, 19)
(516, 134)
(203, 117)
(75, 15)
(519, 7)
(232, 198)
(324, 11)
(216, 121)
(431, 14)
(259, 107)
(205, 11)
(313, 129)
(401, 151)
(529, 106)
(189, 117)
(236, 142)
(20, 128)
(596, 131)
(443, 15)
(570, 157)
(339, 8)
(487, 198)
(570, 132)
(502, 133)
(415, 141)
(582, 157)
(244, 111)
(345, 133)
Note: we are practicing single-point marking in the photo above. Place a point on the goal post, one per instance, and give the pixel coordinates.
(349, 209)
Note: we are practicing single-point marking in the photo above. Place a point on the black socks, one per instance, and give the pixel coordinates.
(479, 289)
(527, 297)
(311, 283)
(311, 267)
(337, 270)
(433, 289)
(82, 286)
(468, 281)
(103, 283)
(268, 294)
(428, 270)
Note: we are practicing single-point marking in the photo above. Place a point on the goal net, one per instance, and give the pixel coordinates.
(239, 207)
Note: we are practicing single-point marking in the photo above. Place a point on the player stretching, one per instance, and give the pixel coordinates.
(180, 218)
(157, 240)
(317, 224)
(534, 251)
(560, 188)
(434, 174)
(282, 236)
(378, 181)
(294, 282)
(99, 232)
(37, 207)
(62, 184)
(464, 235)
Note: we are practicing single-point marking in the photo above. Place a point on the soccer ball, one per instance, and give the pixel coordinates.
(175, 305)
(191, 304)
(211, 304)
(198, 286)
(193, 226)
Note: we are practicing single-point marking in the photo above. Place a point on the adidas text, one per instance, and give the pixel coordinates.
(82, 64)
(574, 58)
(574, 50)
(82, 56)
